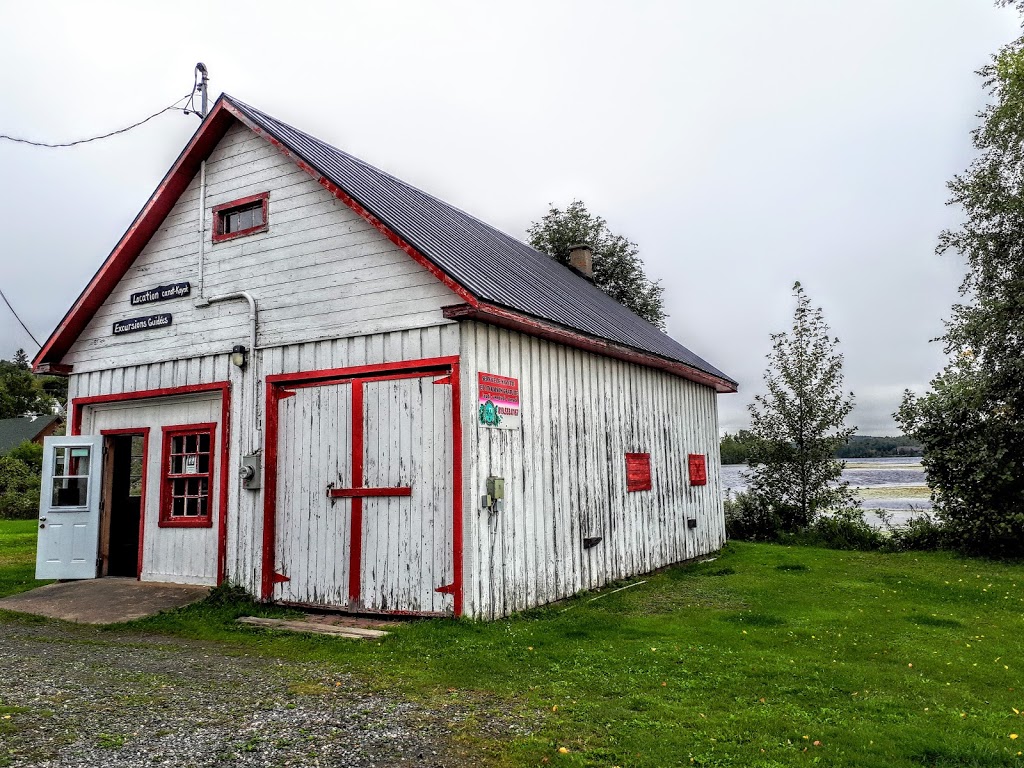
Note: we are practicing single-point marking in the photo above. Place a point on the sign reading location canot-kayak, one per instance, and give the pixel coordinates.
(499, 401)
(162, 293)
(141, 323)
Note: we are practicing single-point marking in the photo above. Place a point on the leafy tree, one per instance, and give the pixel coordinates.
(21, 391)
(735, 449)
(618, 270)
(799, 423)
(30, 454)
(19, 489)
(868, 447)
(971, 421)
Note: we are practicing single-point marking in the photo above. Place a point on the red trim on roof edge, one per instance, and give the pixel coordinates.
(508, 318)
(160, 203)
(177, 179)
(352, 203)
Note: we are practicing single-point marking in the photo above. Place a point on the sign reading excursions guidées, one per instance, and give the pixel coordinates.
(160, 293)
(499, 401)
(133, 324)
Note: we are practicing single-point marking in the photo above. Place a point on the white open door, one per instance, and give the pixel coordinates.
(69, 508)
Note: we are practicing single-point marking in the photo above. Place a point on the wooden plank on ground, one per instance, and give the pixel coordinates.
(353, 633)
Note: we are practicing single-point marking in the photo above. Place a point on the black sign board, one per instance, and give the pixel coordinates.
(141, 323)
(162, 293)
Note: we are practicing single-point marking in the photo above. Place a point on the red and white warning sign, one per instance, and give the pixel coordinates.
(499, 401)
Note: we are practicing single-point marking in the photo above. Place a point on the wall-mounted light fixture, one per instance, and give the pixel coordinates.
(239, 355)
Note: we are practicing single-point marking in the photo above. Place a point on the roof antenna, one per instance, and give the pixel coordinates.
(201, 69)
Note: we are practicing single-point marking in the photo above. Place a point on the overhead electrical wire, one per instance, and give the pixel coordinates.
(189, 109)
(19, 320)
(173, 107)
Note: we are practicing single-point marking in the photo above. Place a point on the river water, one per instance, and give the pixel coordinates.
(895, 484)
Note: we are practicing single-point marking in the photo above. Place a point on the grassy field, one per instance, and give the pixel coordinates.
(766, 656)
(17, 556)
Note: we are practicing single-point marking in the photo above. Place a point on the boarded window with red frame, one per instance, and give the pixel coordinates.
(186, 482)
(246, 216)
(638, 472)
(698, 469)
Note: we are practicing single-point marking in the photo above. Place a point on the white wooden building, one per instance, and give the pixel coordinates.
(301, 375)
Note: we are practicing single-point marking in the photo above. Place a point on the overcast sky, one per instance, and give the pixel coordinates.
(742, 145)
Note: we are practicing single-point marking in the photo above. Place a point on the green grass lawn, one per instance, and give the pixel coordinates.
(767, 656)
(17, 556)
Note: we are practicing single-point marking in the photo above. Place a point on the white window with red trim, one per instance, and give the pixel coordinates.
(245, 216)
(186, 476)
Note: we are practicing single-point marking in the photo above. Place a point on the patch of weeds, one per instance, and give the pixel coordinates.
(227, 594)
(252, 744)
(934, 621)
(308, 689)
(8, 719)
(792, 567)
(755, 619)
(110, 740)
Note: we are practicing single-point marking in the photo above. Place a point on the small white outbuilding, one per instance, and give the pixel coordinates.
(301, 375)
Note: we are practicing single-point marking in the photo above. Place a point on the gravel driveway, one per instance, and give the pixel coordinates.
(78, 696)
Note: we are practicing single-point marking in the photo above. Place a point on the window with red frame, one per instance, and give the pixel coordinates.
(186, 490)
(246, 216)
(638, 472)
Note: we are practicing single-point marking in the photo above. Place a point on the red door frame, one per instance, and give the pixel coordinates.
(224, 388)
(277, 389)
(144, 431)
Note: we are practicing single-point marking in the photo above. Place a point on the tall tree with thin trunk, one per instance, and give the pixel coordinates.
(800, 422)
(971, 422)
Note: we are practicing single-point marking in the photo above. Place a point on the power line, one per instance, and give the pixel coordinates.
(19, 320)
(171, 108)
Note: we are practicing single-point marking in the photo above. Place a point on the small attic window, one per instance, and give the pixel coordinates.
(241, 217)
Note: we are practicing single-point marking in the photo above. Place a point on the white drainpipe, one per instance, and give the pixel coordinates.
(202, 301)
(202, 233)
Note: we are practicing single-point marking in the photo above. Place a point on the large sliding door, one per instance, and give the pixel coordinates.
(364, 493)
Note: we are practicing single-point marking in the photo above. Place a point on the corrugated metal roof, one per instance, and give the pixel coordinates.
(491, 265)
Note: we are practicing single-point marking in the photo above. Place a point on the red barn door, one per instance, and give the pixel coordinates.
(364, 494)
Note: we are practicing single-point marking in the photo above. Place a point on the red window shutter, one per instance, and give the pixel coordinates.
(638, 472)
(698, 469)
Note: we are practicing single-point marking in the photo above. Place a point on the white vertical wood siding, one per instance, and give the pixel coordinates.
(566, 477)
(407, 541)
(180, 555)
(320, 272)
(245, 508)
(313, 532)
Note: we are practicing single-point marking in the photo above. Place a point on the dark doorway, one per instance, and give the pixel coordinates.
(126, 489)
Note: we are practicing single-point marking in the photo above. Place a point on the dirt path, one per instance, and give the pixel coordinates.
(79, 696)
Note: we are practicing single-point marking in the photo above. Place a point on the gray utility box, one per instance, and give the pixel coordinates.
(251, 472)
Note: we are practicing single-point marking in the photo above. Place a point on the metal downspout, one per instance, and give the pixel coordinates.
(202, 301)
(257, 437)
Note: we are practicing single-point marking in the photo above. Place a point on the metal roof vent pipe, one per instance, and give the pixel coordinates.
(581, 259)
